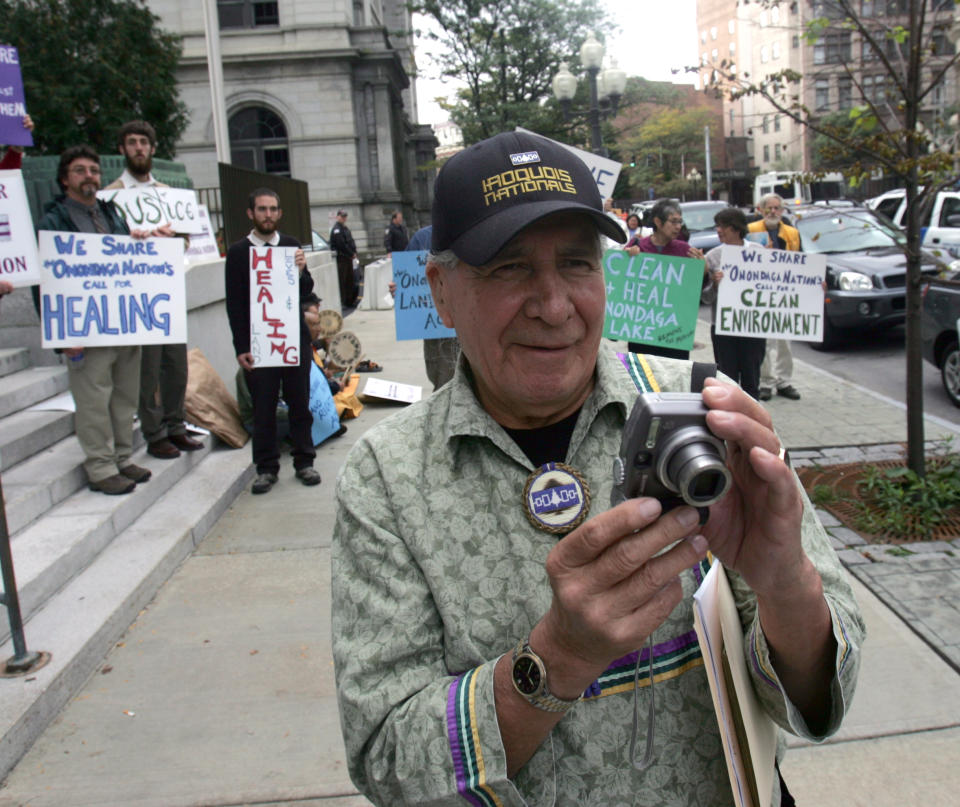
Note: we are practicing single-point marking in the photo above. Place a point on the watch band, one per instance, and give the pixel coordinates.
(540, 697)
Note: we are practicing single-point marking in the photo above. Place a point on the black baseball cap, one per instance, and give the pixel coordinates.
(489, 192)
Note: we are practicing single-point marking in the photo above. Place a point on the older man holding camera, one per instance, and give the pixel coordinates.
(490, 612)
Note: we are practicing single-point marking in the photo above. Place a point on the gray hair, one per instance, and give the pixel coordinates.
(446, 259)
(765, 199)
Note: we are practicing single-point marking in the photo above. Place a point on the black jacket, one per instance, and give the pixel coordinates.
(236, 270)
(396, 238)
(341, 241)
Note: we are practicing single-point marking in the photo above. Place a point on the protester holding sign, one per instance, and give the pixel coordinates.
(163, 368)
(737, 356)
(664, 240)
(264, 383)
(13, 158)
(776, 371)
(104, 381)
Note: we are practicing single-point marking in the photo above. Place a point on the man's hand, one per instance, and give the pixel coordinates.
(245, 360)
(5, 287)
(70, 352)
(163, 231)
(300, 259)
(695, 252)
(141, 235)
(755, 528)
(611, 589)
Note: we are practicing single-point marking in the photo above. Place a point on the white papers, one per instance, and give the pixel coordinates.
(748, 734)
(392, 390)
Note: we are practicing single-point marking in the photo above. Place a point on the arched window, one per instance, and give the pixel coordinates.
(258, 141)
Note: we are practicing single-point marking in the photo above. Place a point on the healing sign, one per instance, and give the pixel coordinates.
(771, 293)
(654, 299)
(274, 307)
(19, 264)
(147, 208)
(416, 316)
(99, 290)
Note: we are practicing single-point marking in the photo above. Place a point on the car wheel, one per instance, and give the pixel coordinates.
(832, 335)
(950, 372)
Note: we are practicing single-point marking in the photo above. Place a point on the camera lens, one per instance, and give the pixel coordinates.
(692, 464)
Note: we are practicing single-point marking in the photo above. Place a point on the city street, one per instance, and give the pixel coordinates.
(877, 360)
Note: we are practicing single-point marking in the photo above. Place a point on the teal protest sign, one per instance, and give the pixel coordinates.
(416, 317)
(651, 298)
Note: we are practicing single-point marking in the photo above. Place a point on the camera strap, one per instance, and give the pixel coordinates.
(702, 370)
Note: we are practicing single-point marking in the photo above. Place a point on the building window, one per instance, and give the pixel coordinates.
(766, 154)
(258, 141)
(822, 93)
(776, 123)
(764, 55)
(733, 48)
(766, 125)
(713, 32)
(844, 93)
(247, 13)
(763, 19)
(715, 54)
(775, 50)
(776, 151)
(832, 49)
(940, 42)
(731, 26)
(775, 15)
(795, 42)
(703, 37)
(731, 123)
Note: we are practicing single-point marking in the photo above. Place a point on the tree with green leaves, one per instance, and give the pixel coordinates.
(906, 55)
(90, 65)
(504, 54)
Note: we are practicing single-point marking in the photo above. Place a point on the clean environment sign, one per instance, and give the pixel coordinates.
(98, 290)
(416, 316)
(12, 104)
(771, 293)
(19, 264)
(654, 299)
(146, 208)
(274, 307)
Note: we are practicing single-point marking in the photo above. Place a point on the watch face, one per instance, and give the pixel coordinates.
(527, 676)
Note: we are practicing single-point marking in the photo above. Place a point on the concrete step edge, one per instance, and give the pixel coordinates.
(89, 615)
(30, 386)
(13, 359)
(66, 539)
(24, 434)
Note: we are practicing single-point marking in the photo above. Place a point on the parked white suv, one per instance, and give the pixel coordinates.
(940, 231)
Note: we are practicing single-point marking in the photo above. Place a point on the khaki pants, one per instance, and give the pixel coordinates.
(776, 371)
(105, 383)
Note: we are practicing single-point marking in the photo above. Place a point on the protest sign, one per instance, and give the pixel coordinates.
(12, 103)
(416, 317)
(326, 421)
(19, 264)
(98, 290)
(652, 298)
(146, 208)
(771, 293)
(605, 171)
(392, 390)
(274, 307)
(203, 246)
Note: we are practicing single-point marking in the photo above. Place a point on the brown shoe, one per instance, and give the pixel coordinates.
(185, 442)
(163, 449)
(136, 472)
(113, 485)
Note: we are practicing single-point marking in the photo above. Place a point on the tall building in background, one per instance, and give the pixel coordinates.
(756, 40)
(317, 91)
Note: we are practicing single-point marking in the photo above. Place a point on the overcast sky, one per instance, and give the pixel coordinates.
(638, 51)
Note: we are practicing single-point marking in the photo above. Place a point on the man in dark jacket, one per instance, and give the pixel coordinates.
(104, 381)
(264, 383)
(396, 238)
(341, 242)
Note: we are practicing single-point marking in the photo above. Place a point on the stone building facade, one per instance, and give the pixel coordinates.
(319, 90)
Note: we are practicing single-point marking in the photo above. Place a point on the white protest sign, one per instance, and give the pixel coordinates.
(19, 264)
(605, 171)
(203, 246)
(146, 208)
(98, 290)
(771, 293)
(274, 307)
(392, 390)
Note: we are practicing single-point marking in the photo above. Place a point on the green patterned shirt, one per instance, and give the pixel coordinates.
(437, 573)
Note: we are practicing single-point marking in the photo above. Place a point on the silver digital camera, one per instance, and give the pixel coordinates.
(668, 453)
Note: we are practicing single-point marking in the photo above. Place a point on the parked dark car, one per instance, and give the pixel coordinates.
(698, 219)
(940, 321)
(866, 268)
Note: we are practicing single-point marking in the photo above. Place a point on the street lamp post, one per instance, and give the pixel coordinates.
(694, 177)
(606, 88)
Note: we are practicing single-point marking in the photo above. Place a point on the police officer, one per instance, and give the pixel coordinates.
(341, 242)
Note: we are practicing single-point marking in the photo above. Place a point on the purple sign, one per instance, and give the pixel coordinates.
(12, 103)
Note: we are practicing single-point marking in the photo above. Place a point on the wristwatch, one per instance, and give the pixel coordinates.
(529, 676)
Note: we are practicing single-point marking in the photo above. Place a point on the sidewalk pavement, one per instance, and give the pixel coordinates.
(222, 690)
